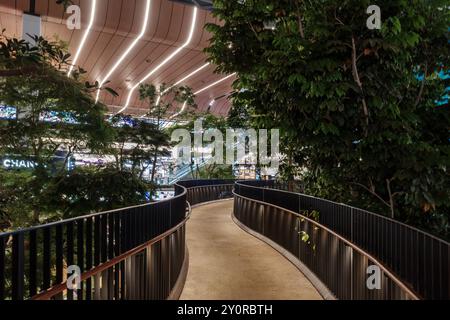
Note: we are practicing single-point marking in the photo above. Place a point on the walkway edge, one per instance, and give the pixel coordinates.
(315, 281)
(181, 281)
(210, 202)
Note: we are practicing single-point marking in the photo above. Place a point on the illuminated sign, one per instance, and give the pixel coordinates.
(57, 117)
(18, 164)
(7, 112)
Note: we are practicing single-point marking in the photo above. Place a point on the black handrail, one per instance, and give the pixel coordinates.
(201, 191)
(205, 183)
(107, 245)
(34, 260)
(419, 259)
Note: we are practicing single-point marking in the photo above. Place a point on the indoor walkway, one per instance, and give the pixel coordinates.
(226, 263)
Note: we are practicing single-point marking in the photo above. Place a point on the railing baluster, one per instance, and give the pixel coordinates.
(104, 238)
(46, 259)
(59, 254)
(70, 252)
(2, 268)
(80, 254)
(111, 231)
(89, 257)
(97, 240)
(33, 263)
(126, 232)
(18, 267)
(117, 234)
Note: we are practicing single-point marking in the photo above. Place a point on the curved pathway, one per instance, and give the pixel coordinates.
(226, 263)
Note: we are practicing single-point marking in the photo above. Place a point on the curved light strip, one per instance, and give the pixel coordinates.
(170, 57)
(183, 108)
(214, 84)
(193, 73)
(180, 112)
(85, 36)
(131, 47)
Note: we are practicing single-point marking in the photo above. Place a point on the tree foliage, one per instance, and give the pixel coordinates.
(203, 167)
(356, 106)
(160, 102)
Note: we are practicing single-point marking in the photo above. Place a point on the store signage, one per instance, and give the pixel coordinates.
(18, 164)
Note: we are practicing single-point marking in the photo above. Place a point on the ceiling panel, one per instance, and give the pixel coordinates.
(116, 26)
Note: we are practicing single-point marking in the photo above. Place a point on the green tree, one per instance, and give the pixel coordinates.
(34, 80)
(205, 168)
(349, 101)
(135, 142)
(239, 116)
(95, 189)
(160, 102)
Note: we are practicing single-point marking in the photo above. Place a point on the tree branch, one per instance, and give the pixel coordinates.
(372, 193)
(254, 31)
(26, 71)
(391, 198)
(422, 86)
(300, 23)
(357, 79)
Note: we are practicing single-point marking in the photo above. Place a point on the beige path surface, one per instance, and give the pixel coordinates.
(227, 263)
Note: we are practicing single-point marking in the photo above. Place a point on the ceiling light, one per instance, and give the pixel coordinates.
(180, 112)
(182, 80)
(169, 58)
(200, 91)
(193, 73)
(85, 36)
(214, 84)
(127, 52)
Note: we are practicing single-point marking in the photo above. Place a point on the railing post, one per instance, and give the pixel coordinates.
(352, 269)
(32, 266)
(169, 269)
(18, 267)
(70, 253)
(351, 225)
(2, 268)
(46, 259)
(170, 213)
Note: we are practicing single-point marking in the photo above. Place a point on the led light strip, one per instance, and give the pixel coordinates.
(85, 36)
(180, 112)
(169, 58)
(127, 52)
(215, 83)
(193, 73)
(183, 108)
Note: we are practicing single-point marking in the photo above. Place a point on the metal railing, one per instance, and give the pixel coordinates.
(139, 252)
(130, 253)
(201, 191)
(417, 259)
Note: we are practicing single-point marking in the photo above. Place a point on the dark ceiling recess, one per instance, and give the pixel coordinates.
(204, 4)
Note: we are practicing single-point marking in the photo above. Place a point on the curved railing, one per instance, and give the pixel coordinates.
(413, 263)
(139, 252)
(201, 191)
(131, 253)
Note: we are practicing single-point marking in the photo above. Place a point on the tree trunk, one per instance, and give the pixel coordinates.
(155, 158)
(291, 178)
